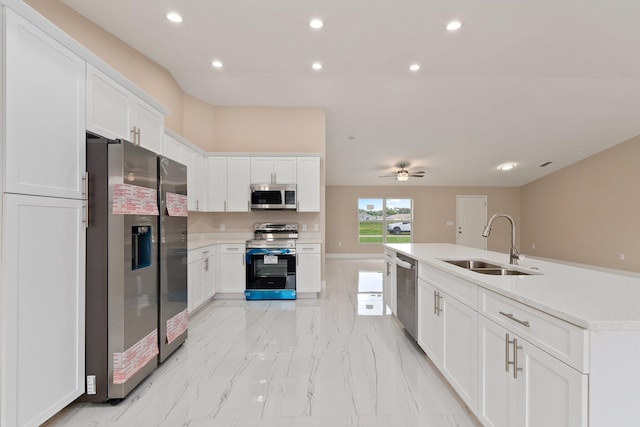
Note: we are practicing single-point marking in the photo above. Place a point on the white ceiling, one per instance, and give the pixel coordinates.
(525, 81)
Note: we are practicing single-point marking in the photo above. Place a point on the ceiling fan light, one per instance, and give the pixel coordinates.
(402, 175)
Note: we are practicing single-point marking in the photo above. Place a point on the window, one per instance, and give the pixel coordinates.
(384, 220)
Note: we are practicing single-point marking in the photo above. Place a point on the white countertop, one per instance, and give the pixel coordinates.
(588, 298)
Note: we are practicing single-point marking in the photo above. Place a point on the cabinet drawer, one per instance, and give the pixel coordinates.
(561, 339)
(389, 255)
(197, 254)
(310, 248)
(233, 248)
(465, 292)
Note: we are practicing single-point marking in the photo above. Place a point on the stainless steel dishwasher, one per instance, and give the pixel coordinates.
(407, 303)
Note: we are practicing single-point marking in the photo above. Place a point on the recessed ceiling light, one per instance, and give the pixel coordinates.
(316, 23)
(316, 66)
(216, 64)
(507, 166)
(454, 25)
(174, 17)
(414, 67)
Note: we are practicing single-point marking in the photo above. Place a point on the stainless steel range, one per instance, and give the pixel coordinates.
(271, 262)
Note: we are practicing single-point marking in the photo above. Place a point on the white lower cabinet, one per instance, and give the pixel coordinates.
(308, 268)
(389, 289)
(447, 333)
(42, 307)
(232, 269)
(200, 277)
(521, 385)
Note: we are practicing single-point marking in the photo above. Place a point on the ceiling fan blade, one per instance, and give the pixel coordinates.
(416, 176)
(418, 172)
(387, 176)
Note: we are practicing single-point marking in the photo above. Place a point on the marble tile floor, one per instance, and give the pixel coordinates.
(340, 360)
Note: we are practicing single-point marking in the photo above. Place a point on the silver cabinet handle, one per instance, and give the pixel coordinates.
(440, 310)
(206, 264)
(435, 302)
(515, 319)
(232, 249)
(225, 206)
(506, 352)
(197, 204)
(205, 252)
(85, 193)
(515, 358)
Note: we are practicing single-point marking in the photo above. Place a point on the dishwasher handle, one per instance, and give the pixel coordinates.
(405, 264)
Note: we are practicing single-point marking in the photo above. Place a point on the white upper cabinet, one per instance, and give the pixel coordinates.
(44, 90)
(238, 179)
(217, 184)
(195, 179)
(228, 183)
(273, 170)
(149, 125)
(172, 148)
(116, 113)
(308, 184)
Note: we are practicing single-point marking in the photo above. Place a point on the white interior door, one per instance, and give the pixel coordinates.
(472, 217)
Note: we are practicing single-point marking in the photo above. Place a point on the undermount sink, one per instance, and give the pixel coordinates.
(484, 267)
(470, 264)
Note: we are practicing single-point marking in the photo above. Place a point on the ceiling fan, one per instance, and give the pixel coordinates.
(403, 174)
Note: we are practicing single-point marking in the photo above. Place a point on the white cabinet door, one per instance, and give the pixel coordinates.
(44, 89)
(232, 269)
(238, 181)
(172, 149)
(217, 184)
(108, 107)
(149, 124)
(195, 284)
(261, 170)
(308, 184)
(460, 348)
(550, 392)
(209, 284)
(284, 170)
(273, 170)
(308, 268)
(543, 392)
(116, 113)
(497, 400)
(42, 307)
(389, 291)
(195, 177)
(429, 322)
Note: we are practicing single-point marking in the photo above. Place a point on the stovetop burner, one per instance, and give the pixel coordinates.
(274, 235)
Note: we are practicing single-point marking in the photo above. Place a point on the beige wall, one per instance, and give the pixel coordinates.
(432, 208)
(143, 72)
(589, 212)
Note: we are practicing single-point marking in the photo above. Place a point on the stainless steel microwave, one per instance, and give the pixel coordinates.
(273, 197)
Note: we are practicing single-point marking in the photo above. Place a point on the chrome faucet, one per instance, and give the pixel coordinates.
(514, 254)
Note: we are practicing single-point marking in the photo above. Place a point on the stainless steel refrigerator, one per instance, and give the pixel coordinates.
(172, 308)
(122, 268)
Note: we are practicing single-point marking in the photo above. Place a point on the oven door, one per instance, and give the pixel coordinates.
(270, 269)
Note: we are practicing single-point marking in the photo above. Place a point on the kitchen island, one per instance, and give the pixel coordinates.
(556, 346)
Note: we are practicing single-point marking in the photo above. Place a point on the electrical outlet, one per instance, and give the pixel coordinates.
(621, 257)
(449, 223)
(533, 246)
(339, 244)
(222, 227)
(316, 227)
(304, 227)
